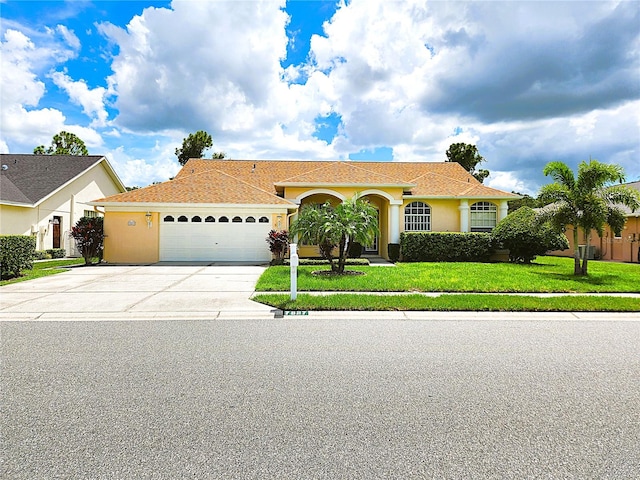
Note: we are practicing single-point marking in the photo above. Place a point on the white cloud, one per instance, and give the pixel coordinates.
(91, 100)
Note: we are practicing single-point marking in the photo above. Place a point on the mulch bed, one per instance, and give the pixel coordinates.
(329, 273)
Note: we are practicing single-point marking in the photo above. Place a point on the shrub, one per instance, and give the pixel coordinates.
(393, 249)
(89, 236)
(41, 255)
(16, 254)
(57, 252)
(525, 237)
(445, 247)
(355, 250)
(278, 245)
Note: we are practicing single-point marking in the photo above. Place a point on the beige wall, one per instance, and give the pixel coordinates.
(129, 239)
(68, 203)
(622, 249)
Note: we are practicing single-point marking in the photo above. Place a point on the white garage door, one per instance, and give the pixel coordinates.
(214, 238)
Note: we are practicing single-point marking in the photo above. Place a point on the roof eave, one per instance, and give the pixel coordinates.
(334, 185)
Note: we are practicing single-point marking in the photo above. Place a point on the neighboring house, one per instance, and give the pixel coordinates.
(623, 248)
(45, 195)
(217, 210)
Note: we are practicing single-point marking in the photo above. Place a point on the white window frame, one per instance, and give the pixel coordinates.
(417, 217)
(483, 216)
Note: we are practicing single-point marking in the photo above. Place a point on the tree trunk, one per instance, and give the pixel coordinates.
(341, 254)
(585, 254)
(576, 253)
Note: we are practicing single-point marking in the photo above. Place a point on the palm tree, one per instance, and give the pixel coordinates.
(588, 202)
(354, 220)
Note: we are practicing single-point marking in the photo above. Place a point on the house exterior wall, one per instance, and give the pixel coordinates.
(128, 238)
(68, 203)
(624, 248)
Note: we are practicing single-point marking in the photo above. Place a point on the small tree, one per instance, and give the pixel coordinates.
(194, 146)
(467, 156)
(588, 201)
(354, 220)
(89, 236)
(525, 237)
(278, 245)
(64, 143)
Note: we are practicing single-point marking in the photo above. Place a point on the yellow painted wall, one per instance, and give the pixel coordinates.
(129, 239)
(445, 214)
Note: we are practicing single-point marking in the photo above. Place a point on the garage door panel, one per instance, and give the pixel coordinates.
(199, 241)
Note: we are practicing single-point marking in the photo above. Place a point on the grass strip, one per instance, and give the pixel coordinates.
(450, 302)
(45, 268)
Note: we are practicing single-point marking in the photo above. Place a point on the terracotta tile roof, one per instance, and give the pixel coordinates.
(260, 181)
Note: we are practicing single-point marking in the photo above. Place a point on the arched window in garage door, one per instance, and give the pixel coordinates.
(183, 219)
(263, 220)
(168, 218)
(237, 220)
(223, 220)
(209, 219)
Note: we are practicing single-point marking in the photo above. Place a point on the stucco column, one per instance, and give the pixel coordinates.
(464, 215)
(504, 209)
(394, 221)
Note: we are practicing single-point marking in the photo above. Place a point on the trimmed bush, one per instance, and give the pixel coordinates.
(363, 262)
(393, 249)
(355, 250)
(41, 255)
(525, 237)
(16, 254)
(445, 247)
(57, 252)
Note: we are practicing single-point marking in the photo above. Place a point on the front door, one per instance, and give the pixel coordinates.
(373, 248)
(57, 224)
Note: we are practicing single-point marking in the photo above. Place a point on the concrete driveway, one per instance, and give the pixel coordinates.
(136, 292)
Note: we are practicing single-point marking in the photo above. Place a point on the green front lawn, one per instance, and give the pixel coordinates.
(545, 275)
(44, 268)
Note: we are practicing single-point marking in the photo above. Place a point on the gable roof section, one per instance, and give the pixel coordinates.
(30, 179)
(206, 187)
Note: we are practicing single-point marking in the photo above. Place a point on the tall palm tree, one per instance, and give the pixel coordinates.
(354, 220)
(587, 202)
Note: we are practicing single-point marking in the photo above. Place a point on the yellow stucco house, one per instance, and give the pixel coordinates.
(222, 210)
(45, 195)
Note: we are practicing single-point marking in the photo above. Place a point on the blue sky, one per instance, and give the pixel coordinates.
(527, 82)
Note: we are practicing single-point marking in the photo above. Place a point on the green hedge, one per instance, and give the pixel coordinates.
(320, 261)
(16, 254)
(446, 247)
(57, 252)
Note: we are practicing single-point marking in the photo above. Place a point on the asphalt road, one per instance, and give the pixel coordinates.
(336, 399)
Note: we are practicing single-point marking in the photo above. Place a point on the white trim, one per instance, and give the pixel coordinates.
(382, 194)
(316, 191)
(137, 207)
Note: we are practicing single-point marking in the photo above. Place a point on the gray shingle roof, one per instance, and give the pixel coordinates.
(30, 178)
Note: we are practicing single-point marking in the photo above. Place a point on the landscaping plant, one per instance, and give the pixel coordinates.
(525, 237)
(89, 236)
(278, 245)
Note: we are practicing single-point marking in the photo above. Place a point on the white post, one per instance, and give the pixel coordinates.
(464, 215)
(504, 209)
(293, 263)
(394, 222)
